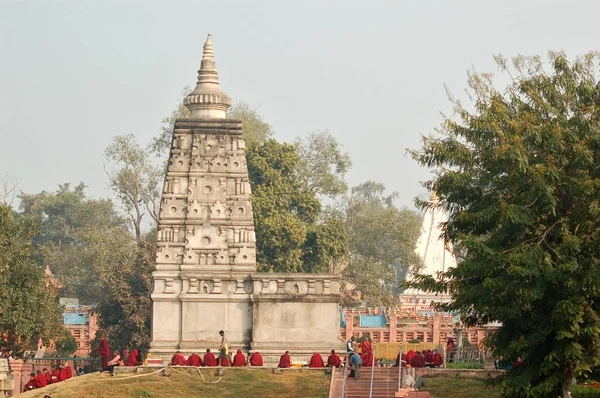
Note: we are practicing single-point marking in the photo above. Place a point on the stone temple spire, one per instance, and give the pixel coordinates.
(207, 101)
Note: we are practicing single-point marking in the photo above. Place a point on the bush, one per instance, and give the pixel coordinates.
(587, 390)
(464, 365)
(414, 341)
(66, 344)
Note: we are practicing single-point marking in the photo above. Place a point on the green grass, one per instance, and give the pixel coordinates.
(235, 383)
(448, 387)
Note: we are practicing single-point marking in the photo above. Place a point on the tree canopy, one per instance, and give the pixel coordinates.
(520, 175)
(29, 308)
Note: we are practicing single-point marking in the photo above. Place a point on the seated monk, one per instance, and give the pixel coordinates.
(256, 359)
(62, 373)
(41, 379)
(48, 376)
(404, 360)
(224, 361)
(316, 361)
(417, 361)
(239, 359)
(334, 360)
(194, 360)
(178, 359)
(428, 358)
(409, 356)
(32, 384)
(437, 359)
(132, 358)
(55, 376)
(285, 361)
(209, 359)
(69, 371)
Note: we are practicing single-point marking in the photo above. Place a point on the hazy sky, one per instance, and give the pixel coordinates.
(75, 73)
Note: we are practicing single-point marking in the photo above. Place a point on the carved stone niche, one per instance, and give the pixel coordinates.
(205, 287)
(179, 162)
(168, 255)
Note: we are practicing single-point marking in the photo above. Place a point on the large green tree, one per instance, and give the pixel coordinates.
(381, 244)
(520, 173)
(71, 226)
(29, 308)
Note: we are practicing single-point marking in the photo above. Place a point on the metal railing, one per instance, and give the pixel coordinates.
(373, 364)
(400, 368)
(345, 375)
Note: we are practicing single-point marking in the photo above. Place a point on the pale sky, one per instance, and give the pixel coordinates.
(73, 74)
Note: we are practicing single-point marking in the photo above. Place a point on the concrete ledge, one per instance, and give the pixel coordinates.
(467, 373)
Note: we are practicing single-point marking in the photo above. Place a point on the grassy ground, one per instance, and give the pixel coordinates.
(235, 383)
(450, 387)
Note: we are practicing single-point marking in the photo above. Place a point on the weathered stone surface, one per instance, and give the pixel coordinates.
(205, 278)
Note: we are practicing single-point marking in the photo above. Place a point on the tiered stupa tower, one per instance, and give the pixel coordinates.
(436, 254)
(205, 278)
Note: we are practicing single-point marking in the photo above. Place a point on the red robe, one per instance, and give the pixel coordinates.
(42, 380)
(256, 359)
(225, 361)
(437, 359)
(366, 349)
(48, 377)
(334, 361)
(239, 359)
(32, 384)
(285, 361)
(104, 352)
(132, 358)
(62, 374)
(316, 361)
(409, 356)
(209, 359)
(417, 361)
(194, 360)
(55, 378)
(177, 360)
(69, 371)
(428, 357)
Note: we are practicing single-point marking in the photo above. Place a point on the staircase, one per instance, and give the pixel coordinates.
(385, 383)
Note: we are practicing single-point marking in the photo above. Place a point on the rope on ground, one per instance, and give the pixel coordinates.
(133, 377)
(201, 375)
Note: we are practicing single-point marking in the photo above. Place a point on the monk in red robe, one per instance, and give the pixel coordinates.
(428, 358)
(194, 360)
(178, 359)
(285, 361)
(334, 360)
(316, 361)
(62, 373)
(48, 376)
(437, 359)
(409, 356)
(417, 361)
(225, 361)
(256, 359)
(69, 371)
(239, 359)
(41, 379)
(32, 384)
(209, 358)
(55, 378)
(366, 349)
(132, 358)
(104, 352)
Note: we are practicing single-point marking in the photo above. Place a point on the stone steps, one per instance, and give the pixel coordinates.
(385, 383)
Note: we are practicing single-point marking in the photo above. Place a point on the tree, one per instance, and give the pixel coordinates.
(520, 176)
(65, 344)
(381, 243)
(161, 144)
(134, 179)
(322, 166)
(71, 224)
(126, 308)
(29, 309)
(256, 130)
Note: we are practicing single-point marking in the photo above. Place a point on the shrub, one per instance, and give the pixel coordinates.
(587, 390)
(464, 365)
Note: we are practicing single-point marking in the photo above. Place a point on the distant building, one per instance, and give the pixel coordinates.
(83, 325)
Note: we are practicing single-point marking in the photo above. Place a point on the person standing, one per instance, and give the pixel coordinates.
(223, 348)
(355, 364)
(350, 345)
(104, 352)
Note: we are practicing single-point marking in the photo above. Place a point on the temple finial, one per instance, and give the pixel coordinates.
(208, 101)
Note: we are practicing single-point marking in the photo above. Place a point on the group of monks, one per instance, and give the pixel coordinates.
(316, 361)
(43, 378)
(427, 358)
(132, 358)
(209, 359)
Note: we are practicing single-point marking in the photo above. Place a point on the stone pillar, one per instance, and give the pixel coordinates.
(6, 386)
(349, 324)
(392, 328)
(437, 324)
(20, 373)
